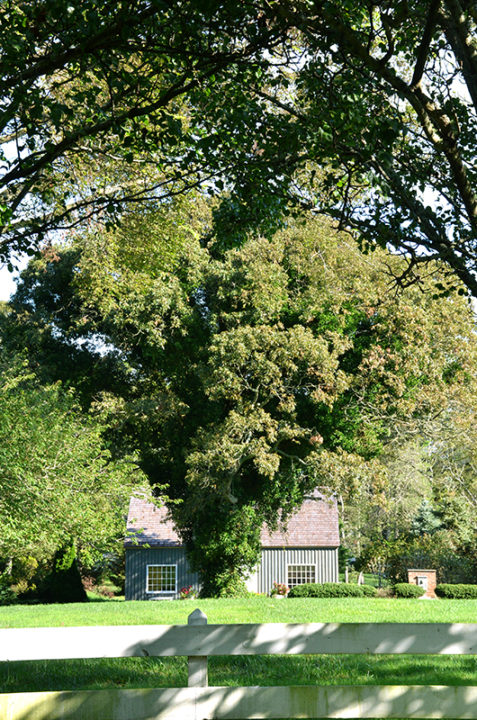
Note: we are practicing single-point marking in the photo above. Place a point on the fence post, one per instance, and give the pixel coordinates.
(197, 663)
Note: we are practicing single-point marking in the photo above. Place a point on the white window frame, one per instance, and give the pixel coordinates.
(301, 565)
(161, 592)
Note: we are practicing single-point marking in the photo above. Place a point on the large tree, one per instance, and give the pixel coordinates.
(58, 485)
(94, 104)
(364, 111)
(249, 376)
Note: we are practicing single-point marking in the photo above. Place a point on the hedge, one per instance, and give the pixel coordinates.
(458, 591)
(408, 590)
(369, 590)
(327, 590)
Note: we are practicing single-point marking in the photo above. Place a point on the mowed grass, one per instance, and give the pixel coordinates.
(240, 670)
(247, 610)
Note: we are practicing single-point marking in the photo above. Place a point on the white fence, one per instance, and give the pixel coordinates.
(197, 640)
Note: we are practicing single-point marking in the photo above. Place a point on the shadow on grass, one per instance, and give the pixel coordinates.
(240, 670)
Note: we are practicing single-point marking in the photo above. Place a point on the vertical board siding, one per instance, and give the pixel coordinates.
(137, 560)
(273, 567)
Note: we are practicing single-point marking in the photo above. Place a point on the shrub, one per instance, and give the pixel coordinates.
(456, 592)
(408, 590)
(7, 595)
(63, 584)
(109, 571)
(226, 586)
(369, 591)
(436, 551)
(327, 590)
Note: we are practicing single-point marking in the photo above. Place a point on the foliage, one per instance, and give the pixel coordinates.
(63, 584)
(457, 591)
(225, 585)
(96, 105)
(408, 590)
(110, 569)
(359, 112)
(328, 590)
(434, 473)
(369, 590)
(26, 573)
(7, 595)
(344, 554)
(56, 478)
(247, 377)
(426, 522)
(437, 551)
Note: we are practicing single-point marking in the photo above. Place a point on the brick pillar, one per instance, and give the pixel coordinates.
(422, 577)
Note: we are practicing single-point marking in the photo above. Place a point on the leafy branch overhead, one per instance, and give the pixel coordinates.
(363, 112)
(87, 91)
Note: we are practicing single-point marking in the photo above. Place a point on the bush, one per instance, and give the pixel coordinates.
(369, 591)
(7, 595)
(109, 572)
(327, 590)
(227, 585)
(456, 592)
(408, 590)
(63, 584)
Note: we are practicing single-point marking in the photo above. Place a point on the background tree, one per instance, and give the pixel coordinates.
(426, 521)
(251, 375)
(57, 483)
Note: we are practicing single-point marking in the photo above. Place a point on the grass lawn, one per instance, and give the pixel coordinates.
(249, 610)
(245, 670)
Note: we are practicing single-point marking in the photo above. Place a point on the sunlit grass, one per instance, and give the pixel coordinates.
(243, 670)
(247, 610)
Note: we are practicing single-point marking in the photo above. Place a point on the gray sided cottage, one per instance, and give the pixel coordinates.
(306, 550)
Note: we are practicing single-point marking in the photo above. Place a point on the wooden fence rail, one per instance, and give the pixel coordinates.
(197, 641)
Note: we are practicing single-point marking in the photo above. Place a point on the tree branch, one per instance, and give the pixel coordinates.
(423, 49)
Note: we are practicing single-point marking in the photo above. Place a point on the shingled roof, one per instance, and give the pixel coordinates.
(315, 524)
(150, 525)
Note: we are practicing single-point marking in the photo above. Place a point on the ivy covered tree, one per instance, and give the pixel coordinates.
(251, 375)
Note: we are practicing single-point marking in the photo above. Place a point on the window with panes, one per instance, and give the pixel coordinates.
(300, 574)
(161, 578)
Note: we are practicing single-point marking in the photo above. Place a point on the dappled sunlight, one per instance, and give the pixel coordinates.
(252, 702)
(304, 671)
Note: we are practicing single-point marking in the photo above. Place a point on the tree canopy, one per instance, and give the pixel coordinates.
(364, 112)
(95, 104)
(58, 485)
(248, 376)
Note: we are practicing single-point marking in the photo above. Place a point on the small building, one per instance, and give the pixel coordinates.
(425, 579)
(305, 550)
